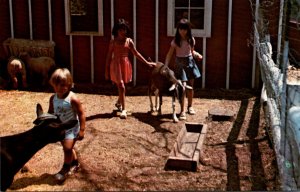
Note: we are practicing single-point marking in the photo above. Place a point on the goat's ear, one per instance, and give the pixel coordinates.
(173, 86)
(188, 87)
(39, 110)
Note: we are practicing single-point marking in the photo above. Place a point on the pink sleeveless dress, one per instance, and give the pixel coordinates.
(120, 67)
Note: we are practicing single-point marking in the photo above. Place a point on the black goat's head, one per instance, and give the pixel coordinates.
(50, 127)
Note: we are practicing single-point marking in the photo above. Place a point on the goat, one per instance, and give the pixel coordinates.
(18, 149)
(16, 67)
(163, 81)
(41, 66)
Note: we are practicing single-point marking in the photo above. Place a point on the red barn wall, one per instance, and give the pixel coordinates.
(216, 45)
(21, 19)
(293, 35)
(4, 27)
(40, 20)
(241, 52)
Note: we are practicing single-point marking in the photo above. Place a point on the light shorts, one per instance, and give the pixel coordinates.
(72, 133)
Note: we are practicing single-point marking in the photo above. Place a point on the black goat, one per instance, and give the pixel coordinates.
(18, 149)
(163, 81)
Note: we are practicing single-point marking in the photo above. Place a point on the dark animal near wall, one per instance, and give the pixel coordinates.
(41, 67)
(18, 149)
(163, 81)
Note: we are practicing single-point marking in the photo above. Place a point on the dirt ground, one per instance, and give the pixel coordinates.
(123, 155)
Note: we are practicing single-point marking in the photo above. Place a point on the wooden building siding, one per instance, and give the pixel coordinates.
(21, 19)
(217, 47)
(86, 53)
(40, 19)
(294, 40)
(241, 52)
(4, 28)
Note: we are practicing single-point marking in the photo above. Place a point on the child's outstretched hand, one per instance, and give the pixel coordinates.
(151, 64)
(197, 56)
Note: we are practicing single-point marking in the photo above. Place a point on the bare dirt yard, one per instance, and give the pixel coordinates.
(123, 155)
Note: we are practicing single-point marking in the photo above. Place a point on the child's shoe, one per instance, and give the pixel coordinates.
(191, 110)
(123, 114)
(75, 165)
(62, 174)
(182, 116)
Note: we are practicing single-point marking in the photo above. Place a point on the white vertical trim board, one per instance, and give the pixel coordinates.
(11, 19)
(92, 59)
(100, 19)
(67, 19)
(71, 55)
(228, 43)
(203, 63)
(30, 19)
(134, 39)
(112, 12)
(50, 20)
(156, 29)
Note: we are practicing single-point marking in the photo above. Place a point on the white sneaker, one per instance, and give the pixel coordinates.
(191, 111)
(182, 116)
(123, 114)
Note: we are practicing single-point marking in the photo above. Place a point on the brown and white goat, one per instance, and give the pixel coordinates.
(18, 149)
(163, 81)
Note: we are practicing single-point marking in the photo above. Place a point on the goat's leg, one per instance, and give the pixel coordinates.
(151, 90)
(150, 99)
(156, 93)
(160, 103)
(175, 119)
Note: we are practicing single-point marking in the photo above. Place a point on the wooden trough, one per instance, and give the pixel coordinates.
(220, 114)
(187, 148)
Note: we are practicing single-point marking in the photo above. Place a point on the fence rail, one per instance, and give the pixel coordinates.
(277, 112)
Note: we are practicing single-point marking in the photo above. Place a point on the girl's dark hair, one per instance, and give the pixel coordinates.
(184, 24)
(121, 24)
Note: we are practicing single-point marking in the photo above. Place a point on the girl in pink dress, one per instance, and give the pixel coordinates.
(118, 66)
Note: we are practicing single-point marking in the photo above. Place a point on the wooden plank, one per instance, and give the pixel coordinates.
(187, 148)
(220, 114)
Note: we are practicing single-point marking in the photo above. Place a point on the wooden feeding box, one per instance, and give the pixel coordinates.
(187, 148)
(220, 114)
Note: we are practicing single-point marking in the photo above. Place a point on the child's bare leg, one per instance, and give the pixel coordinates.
(69, 156)
(121, 88)
(182, 104)
(190, 92)
(122, 91)
(69, 152)
(190, 95)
